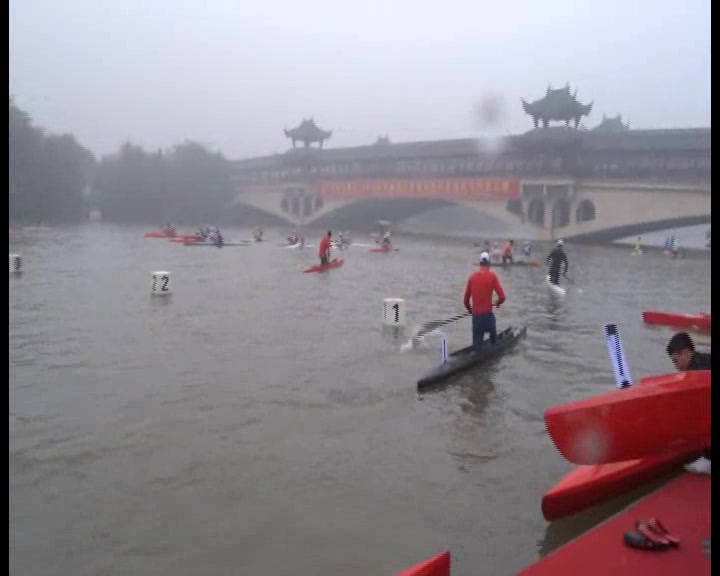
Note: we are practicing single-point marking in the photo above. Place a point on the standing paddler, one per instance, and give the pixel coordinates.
(479, 292)
(324, 248)
(555, 260)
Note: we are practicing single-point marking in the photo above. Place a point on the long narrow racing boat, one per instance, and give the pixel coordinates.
(211, 243)
(334, 263)
(586, 486)
(533, 263)
(699, 321)
(467, 358)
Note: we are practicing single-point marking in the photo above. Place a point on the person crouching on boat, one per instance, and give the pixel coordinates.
(555, 260)
(507, 252)
(478, 301)
(324, 248)
(294, 238)
(170, 230)
(527, 248)
(681, 350)
(340, 242)
(386, 242)
(257, 235)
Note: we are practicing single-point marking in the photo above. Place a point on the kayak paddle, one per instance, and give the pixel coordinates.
(666, 412)
(433, 324)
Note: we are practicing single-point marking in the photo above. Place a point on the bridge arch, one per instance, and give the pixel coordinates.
(560, 213)
(536, 212)
(585, 211)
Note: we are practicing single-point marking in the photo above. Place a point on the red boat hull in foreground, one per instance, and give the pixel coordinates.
(437, 566)
(700, 321)
(682, 505)
(334, 263)
(586, 486)
(667, 412)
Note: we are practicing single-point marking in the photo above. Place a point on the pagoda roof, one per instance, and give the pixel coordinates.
(557, 104)
(308, 131)
(615, 124)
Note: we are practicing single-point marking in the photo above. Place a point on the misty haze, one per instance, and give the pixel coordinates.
(293, 286)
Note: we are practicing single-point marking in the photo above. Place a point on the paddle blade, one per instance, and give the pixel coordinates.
(436, 566)
(662, 414)
(617, 356)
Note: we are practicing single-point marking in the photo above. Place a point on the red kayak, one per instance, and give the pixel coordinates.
(670, 412)
(587, 486)
(437, 566)
(699, 321)
(534, 263)
(186, 238)
(334, 263)
(384, 249)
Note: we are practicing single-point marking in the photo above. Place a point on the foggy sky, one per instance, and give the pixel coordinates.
(233, 73)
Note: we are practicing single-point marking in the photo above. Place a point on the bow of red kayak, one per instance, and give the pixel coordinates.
(586, 486)
(670, 412)
(436, 566)
(334, 263)
(384, 249)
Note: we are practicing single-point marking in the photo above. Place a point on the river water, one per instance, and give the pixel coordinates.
(259, 420)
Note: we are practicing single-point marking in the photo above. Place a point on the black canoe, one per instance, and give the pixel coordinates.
(466, 358)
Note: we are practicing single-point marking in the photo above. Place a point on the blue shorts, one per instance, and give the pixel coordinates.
(482, 324)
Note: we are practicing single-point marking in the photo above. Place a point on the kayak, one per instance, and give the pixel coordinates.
(700, 321)
(163, 234)
(535, 263)
(334, 263)
(436, 566)
(554, 288)
(467, 358)
(298, 245)
(384, 249)
(239, 243)
(586, 486)
(192, 238)
(670, 412)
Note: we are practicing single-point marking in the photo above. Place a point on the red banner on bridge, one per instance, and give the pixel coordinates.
(449, 188)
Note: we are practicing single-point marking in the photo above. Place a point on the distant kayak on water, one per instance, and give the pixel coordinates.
(298, 245)
(384, 249)
(334, 263)
(206, 243)
(533, 263)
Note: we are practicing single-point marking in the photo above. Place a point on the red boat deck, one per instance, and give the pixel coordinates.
(682, 505)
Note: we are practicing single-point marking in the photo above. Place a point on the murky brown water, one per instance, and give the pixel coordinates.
(260, 422)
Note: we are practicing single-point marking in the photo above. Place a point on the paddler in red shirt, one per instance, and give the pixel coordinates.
(479, 290)
(324, 249)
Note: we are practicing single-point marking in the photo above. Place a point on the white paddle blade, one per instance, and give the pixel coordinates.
(617, 356)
